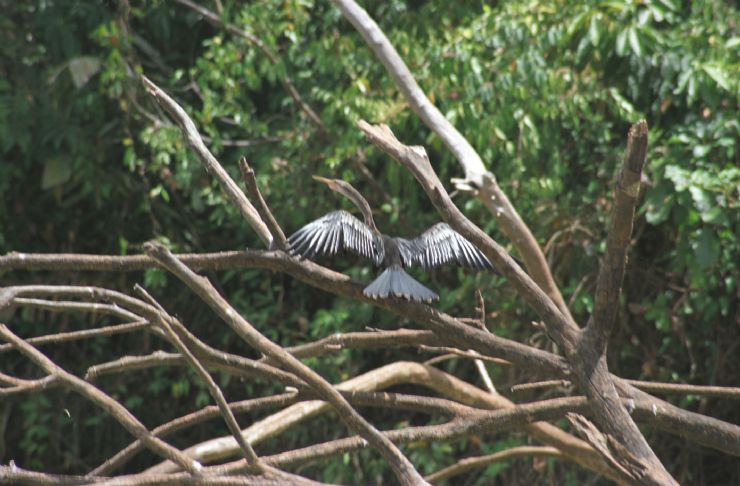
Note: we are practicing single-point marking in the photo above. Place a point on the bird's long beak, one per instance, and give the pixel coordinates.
(328, 182)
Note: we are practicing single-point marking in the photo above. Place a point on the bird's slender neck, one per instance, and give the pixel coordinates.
(354, 195)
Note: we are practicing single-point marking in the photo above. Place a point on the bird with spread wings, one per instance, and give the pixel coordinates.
(340, 231)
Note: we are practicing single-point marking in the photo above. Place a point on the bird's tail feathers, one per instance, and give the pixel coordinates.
(395, 282)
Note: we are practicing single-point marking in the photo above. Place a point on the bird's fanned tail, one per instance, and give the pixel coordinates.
(395, 282)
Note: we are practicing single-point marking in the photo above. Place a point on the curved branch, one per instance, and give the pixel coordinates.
(219, 449)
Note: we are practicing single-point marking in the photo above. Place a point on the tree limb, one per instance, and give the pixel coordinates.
(488, 190)
(193, 138)
(609, 281)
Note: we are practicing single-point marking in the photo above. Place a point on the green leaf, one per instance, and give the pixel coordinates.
(719, 75)
(594, 31)
(82, 69)
(635, 43)
(706, 248)
(57, 171)
(621, 45)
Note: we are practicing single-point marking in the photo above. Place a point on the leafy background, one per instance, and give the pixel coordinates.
(545, 91)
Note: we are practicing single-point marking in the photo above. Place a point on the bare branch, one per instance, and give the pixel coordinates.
(193, 138)
(13, 474)
(206, 413)
(117, 411)
(480, 422)
(683, 389)
(253, 462)
(66, 306)
(20, 386)
(484, 182)
(539, 384)
(363, 340)
(390, 375)
(462, 354)
(470, 463)
(83, 334)
(222, 361)
(609, 282)
(250, 182)
(403, 469)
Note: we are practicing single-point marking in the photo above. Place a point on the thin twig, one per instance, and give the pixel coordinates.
(83, 334)
(463, 354)
(684, 389)
(250, 183)
(539, 384)
(479, 462)
(68, 306)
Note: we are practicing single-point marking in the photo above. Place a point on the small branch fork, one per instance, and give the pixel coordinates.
(613, 447)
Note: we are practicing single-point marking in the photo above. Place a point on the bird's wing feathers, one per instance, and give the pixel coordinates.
(331, 233)
(441, 244)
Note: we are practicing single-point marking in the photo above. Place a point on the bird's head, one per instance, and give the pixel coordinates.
(336, 185)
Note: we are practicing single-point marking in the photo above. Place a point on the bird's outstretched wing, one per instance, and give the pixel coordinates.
(331, 233)
(441, 244)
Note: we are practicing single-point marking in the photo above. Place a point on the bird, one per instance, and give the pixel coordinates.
(341, 231)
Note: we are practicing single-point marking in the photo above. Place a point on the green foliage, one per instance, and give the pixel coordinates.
(545, 91)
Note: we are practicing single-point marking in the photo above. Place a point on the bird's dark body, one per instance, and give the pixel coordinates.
(339, 230)
(391, 253)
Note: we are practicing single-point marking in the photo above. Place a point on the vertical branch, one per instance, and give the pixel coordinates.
(250, 183)
(611, 274)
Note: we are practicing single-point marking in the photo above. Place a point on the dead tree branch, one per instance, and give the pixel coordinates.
(403, 469)
(587, 364)
(164, 321)
(117, 411)
(470, 463)
(193, 138)
(250, 183)
(609, 282)
(476, 175)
